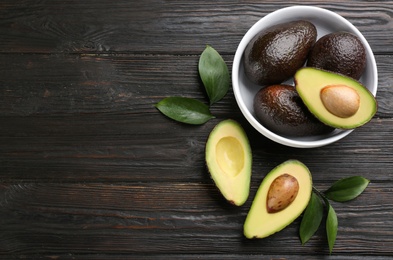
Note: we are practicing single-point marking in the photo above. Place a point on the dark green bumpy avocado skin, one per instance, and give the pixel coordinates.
(280, 109)
(339, 52)
(275, 54)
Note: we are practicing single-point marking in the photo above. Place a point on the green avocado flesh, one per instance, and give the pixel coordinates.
(259, 222)
(310, 82)
(229, 159)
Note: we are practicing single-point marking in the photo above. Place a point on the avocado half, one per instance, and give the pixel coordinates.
(259, 222)
(310, 82)
(229, 159)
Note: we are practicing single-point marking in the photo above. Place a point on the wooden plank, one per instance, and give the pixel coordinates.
(161, 27)
(121, 84)
(152, 148)
(146, 218)
(202, 256)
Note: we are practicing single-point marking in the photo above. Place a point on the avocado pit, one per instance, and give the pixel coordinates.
(340, 100)
(282, 192)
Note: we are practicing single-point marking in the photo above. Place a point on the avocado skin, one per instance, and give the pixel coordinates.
(280, 109)
(340, 52)
(275, 54)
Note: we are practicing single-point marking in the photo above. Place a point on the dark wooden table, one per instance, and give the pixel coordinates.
(90, 169)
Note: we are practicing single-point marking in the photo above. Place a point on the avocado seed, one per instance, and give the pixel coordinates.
(282, 193)
(340, 100)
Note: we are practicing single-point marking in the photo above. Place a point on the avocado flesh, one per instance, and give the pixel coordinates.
(259, 223)
(229, 159)
(309, 83)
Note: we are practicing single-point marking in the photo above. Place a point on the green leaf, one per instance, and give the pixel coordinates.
(312, 218)
(347, 188)
(331, 227)
(185, 110)
(214, 74)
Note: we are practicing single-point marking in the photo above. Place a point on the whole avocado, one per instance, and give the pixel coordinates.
(280, 109)
(275, 54)
(339, 52)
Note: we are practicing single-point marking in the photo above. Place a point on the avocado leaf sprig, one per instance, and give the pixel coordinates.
(215, 77)
(341, 191)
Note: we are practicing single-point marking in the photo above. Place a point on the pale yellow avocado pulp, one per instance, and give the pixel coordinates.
(309, 83)
(259, 223)
(228, 158)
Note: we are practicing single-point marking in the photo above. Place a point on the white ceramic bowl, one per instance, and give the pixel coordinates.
(326, 22)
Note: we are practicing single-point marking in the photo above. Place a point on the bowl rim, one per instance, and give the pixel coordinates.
(252, 31)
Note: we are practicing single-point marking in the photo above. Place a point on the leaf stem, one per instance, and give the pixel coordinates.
(322, 196)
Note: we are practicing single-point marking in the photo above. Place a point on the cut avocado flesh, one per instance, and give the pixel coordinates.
(229, 159)
(259, 222)
(311, 82)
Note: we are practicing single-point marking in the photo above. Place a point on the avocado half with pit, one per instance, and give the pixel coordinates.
(282, 196)
(336, 100)
(229, 159)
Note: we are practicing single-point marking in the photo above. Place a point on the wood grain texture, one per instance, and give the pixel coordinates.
(150, 217)
(90, 169)
(161, 26)
(169, 151)
(120, 84)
